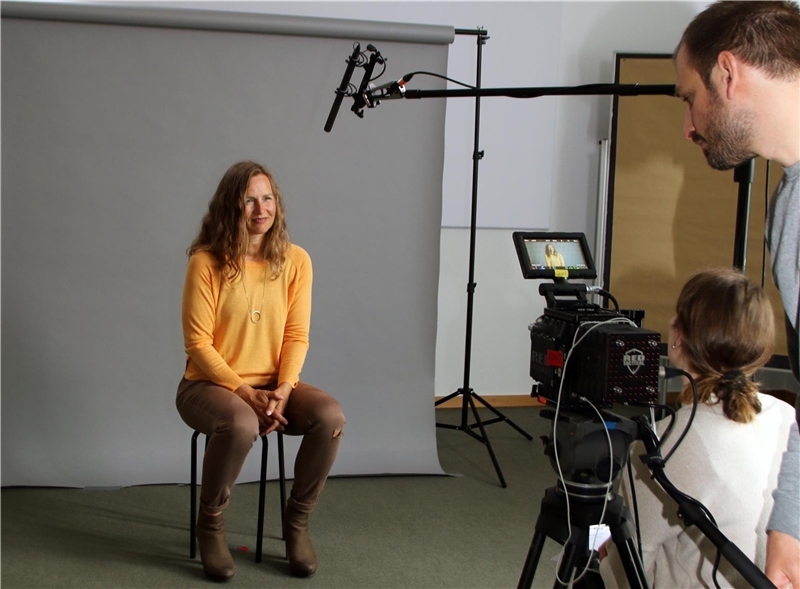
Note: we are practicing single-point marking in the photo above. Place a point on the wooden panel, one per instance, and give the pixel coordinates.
(672, 214)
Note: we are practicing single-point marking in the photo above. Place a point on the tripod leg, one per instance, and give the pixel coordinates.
(447, 398)
(634, 569)
(532, 561)
(488, 444)
(466, 404)
(567, 568)
(501, 416)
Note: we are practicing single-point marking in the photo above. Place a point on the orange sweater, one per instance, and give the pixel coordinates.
(221, 342)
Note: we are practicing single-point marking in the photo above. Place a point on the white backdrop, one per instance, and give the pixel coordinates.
(113, 141)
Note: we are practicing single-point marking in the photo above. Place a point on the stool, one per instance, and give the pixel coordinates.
(261, 492)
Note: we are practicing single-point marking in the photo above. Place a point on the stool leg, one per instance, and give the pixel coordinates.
(262, 487)
(282, 470)
(193, 497)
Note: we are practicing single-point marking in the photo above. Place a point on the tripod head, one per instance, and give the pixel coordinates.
(587, 459)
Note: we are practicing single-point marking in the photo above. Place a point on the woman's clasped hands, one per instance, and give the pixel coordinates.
(268, 405)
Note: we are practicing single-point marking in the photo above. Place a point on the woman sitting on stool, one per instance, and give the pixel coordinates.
(246, 315)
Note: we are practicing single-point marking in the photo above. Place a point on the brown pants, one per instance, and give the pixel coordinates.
(232, 427)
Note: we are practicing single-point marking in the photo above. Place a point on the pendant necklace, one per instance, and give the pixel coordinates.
(255, 314)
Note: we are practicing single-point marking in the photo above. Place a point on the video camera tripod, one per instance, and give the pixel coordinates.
(584, 461)
(584, 512)
(578, 449)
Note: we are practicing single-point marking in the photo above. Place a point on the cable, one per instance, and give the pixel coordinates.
(688, 423)
(408, 77)
(604, 293)
(631, 485)
(609, 296)
(608, 486)
(575, 342)
(383, 71)
(715, 569)
(684, 496)
(669, 427)
(635, 507)
(655, 458)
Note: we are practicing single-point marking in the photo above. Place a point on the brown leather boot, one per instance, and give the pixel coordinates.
(217, 561)
(302, 559)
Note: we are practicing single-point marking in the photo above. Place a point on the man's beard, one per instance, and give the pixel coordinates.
(727, 137)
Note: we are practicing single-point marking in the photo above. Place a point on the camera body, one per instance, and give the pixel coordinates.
(615, 362)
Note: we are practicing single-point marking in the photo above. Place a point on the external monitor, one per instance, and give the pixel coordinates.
(552, 255)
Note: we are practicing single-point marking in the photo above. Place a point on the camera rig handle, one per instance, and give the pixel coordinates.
(561, 288)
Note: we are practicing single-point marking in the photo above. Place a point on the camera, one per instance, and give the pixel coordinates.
(579, 350)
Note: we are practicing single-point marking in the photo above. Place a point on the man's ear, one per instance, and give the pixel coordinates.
(728, 74)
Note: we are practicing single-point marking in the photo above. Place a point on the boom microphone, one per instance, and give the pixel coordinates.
(352, 61)
(359, 101)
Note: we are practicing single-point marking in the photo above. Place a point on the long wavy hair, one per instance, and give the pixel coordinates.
(727, 329)
(223, 232)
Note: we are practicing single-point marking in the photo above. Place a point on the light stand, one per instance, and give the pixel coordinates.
(466, 392)
(743, 174)
(369, 96)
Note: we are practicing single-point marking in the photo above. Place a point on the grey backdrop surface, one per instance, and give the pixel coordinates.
(113, 140)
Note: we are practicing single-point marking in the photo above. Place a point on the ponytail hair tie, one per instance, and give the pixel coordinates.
(732, 375)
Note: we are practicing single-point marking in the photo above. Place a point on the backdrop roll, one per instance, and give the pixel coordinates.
(114, 137)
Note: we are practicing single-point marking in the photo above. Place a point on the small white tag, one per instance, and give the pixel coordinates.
(598, 535)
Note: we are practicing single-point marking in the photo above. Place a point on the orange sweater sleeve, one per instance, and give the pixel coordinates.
(201, 294)
(298, 317)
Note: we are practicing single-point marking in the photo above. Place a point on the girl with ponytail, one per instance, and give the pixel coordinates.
(722, 333)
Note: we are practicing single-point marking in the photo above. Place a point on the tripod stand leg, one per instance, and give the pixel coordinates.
(487, 443)
(567, 568)
(634, 569)
(501, 416)
(531, 561)
(447, 398)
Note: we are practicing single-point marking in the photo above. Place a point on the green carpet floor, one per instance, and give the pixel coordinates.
(462, 531)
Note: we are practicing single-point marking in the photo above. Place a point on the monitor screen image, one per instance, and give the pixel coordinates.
(554, 255)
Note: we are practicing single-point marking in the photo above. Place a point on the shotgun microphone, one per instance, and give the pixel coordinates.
(341, 91)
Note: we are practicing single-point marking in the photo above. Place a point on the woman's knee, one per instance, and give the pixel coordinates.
(331, 417)
(241, 426)
(214, 410)
(312, 409)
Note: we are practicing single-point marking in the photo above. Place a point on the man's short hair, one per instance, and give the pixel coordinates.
(765, 35)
